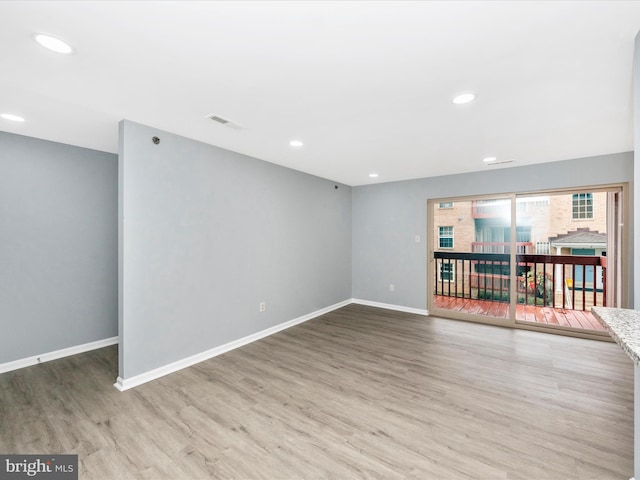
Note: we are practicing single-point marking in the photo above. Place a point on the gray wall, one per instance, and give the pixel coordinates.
(207, 234)
(387, 217)
(636, 173)
(58, 246)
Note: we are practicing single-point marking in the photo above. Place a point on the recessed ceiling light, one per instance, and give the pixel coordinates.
(11, 117)
(489, 159)
(296, 143)
(463, 98)
(54, 44)
(373, 175)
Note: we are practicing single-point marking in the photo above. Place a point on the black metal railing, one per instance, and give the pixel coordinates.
(558, 281)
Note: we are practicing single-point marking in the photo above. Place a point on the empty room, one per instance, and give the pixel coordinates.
(319, 239)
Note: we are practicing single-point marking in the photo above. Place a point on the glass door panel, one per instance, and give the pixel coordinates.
(560, 258)
(471, 257)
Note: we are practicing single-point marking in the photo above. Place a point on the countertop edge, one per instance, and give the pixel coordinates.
(624, 326)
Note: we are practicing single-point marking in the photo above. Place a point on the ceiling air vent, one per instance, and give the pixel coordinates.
(218, 119)
(225, 121)
(499, 163)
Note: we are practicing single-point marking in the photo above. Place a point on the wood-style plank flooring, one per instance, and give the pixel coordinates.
(580, 319)
(357, 393)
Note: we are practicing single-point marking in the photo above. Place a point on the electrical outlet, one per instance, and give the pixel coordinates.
(417, 238)
(392, 287)
(263, 306)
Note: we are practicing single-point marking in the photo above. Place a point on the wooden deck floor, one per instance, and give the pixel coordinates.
(525, 313)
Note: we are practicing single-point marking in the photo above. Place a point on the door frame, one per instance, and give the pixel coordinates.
(618, 280)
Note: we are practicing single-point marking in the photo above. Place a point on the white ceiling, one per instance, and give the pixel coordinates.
(367, 85)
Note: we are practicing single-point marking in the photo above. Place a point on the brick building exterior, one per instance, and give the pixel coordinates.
(565, 224)
(484, 226)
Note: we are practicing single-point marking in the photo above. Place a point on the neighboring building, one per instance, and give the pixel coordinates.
(483, 226)
(564, 224)
(454, 227)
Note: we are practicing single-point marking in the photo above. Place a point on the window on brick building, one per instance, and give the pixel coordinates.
(582, 206)
(445, 237)
(447, 272)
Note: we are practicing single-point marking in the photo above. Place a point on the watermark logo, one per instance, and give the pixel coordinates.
(49, 467)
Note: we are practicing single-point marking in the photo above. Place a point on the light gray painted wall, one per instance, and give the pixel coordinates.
(386, 218)
(207, 234)
(636, 129)
(636, 172)
(58, 246)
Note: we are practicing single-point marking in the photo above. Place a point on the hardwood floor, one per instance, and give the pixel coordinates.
(358, 393)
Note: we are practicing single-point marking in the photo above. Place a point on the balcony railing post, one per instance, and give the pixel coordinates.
(573, 279)
(455, 277)
(604, 287)
(463, 280)
(564, 287)
(535, 283)
(584, 285)
(493, 280)
(553, 286)
(544, 284)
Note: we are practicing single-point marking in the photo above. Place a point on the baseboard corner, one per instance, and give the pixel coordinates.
(120, 384)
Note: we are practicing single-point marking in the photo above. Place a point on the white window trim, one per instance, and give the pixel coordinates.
(573, 212)
(452, 237)
(452, 273)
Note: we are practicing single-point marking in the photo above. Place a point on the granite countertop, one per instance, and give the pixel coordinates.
(624, 326)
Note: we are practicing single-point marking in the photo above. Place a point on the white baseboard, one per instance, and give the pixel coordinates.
(389, 306)
(47, 357)
(123, 384)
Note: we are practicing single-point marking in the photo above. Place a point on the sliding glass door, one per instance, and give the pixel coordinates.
(541, 260)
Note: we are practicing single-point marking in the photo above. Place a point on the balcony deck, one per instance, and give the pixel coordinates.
(579, 319)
